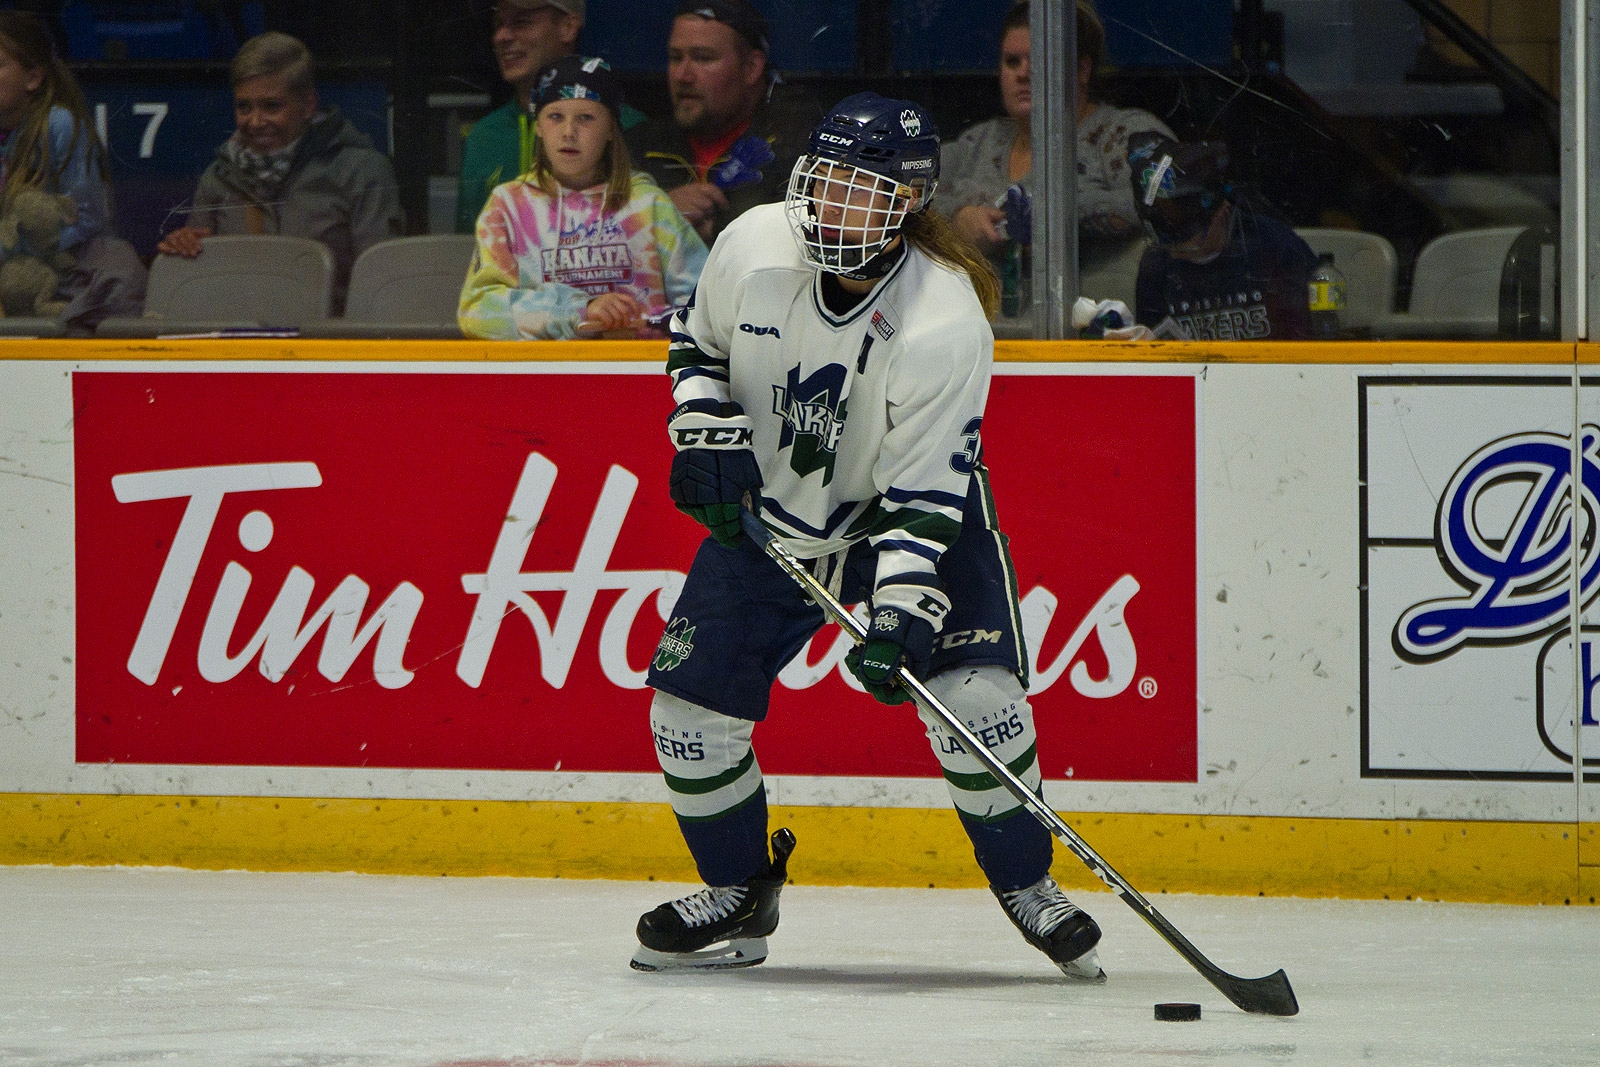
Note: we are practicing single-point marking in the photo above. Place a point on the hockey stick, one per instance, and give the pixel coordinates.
(1270, 995)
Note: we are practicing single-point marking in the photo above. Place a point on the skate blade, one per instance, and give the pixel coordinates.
(1086, 968)
(746, 952)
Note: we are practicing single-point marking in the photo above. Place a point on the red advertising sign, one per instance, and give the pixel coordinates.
(471, 571)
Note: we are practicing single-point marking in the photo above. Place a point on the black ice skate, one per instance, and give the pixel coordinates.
(1054, 925)
(720, 926)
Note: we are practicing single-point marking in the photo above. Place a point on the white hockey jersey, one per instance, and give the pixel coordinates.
(865, 425)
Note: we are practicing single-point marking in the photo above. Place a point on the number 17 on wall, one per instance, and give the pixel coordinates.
(153, 114)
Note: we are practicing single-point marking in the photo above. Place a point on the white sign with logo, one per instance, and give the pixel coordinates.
(1467, 555)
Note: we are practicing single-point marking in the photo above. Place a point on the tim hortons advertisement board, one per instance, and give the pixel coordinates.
(472, 571)
(1467, 555)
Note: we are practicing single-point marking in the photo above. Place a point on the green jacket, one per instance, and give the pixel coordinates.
(499, 149)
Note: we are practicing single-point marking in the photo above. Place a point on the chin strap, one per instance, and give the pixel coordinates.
(878, 265)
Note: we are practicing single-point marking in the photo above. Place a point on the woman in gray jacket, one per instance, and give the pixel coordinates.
(290, 168)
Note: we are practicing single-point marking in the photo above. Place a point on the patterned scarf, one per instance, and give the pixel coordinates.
(264, 174)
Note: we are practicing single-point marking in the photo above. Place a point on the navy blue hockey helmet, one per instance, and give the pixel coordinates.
(1177, 187)
(872, 157)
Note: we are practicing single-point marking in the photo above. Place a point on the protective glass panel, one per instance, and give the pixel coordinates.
(1415, 142)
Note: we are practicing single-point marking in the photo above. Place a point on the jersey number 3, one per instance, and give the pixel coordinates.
(966, 460)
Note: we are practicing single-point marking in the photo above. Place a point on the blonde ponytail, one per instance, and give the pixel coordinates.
(933, 235)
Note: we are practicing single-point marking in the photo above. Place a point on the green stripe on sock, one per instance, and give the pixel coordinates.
(697, 786)
(723, 814)
(983, 780)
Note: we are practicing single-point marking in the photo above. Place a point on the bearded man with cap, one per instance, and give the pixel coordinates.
(735, 130)
(1218, 270)
(529, 35)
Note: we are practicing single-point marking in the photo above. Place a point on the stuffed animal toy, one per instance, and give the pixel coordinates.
(30, 237)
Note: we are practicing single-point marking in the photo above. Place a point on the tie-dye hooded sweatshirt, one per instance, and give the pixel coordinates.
(541, 259)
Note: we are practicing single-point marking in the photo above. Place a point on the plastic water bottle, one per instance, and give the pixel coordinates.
(1011, 281)
(1327, 299)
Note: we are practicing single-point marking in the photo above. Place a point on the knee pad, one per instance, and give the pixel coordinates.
(993, 704)
(706, 757)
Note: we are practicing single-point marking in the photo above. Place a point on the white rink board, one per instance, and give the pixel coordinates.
(1279, 604)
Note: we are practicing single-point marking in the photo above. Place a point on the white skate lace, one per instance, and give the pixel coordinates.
(709, 905)
(1041, 907)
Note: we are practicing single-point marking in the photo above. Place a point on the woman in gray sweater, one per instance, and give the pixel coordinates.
(978, 167)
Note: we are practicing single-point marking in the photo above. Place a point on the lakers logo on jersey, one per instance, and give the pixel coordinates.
(813, 413)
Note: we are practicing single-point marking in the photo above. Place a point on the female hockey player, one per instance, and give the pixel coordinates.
(582, 245)
(830, 374)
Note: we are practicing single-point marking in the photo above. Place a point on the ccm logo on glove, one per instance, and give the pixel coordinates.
(713, 437)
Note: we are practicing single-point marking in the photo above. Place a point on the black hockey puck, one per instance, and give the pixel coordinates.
(1177, 1013)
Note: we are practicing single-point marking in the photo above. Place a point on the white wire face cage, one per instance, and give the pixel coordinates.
(842, 215)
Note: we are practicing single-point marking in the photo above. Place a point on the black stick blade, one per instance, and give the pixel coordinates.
(1262, 996)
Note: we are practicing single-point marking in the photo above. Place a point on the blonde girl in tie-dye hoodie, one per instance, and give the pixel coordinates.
(581, 245)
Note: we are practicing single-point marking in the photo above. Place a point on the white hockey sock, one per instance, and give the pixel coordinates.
(994, 706)
(705, 756)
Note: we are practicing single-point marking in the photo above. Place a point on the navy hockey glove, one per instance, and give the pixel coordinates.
(714, 472)
(895, 638)
(1018, 206)
(710, 485)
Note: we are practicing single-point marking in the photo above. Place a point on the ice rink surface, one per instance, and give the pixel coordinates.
(168, 967)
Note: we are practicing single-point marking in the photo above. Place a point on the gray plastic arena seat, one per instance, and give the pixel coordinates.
(1455, 289)
(407, 287)
(1368, 263)
(20, 327)
(240, 281)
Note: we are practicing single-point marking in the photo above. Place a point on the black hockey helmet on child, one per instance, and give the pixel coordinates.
(1177, 187)
(875, 155)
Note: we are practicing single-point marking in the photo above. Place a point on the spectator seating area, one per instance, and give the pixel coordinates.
(19, 327)
(1483, 283)
(1467, 284)
(1496, 282)
(408, 287)
(1115, 276)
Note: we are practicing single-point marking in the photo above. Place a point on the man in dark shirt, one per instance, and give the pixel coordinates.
(1219, 270)
(734, 132)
